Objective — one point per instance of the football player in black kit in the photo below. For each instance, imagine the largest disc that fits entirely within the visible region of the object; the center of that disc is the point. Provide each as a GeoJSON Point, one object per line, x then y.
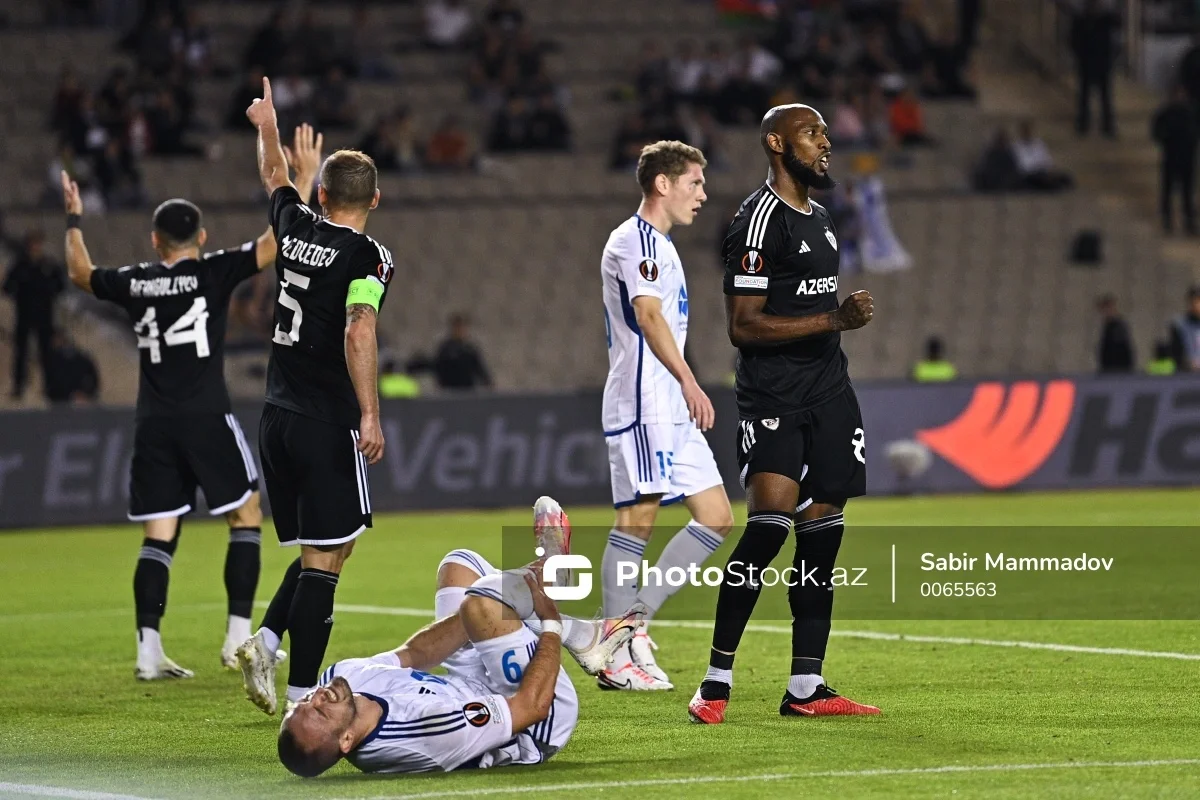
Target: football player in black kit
{"type": "Point", "coordinates": [185, 436]}
{"type": "Point", "coordinates": [800, 440]}
{"type": "Point", "coordinates": [320, 427]}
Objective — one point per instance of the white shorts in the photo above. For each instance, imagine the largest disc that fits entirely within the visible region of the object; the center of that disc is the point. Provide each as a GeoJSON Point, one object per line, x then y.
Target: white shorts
{"type": "Point", "coordinates": [467, 665]}
{"type": "Point", "coordinates": [673, 460]}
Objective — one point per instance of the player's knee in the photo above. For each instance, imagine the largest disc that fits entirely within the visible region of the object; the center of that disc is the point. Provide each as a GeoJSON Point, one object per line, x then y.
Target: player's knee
{"type": "Point", "coordinates": [451, 574]}
{"type": "Point", "coordinates": [638, 519]}
{"type": "Point", "coordinates": [247, 515]}
{"type": "Point", "coordinates": [328, 558]}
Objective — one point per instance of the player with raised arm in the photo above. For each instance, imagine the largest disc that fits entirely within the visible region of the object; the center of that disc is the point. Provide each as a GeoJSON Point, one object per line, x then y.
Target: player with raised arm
{"type": "Point", "coordinates": [320, 427]}
{"type": "Point", "coordinates": [185, 436]}
{"type": "Point", "coordinates": [654, 410]}
{"type": "Point", "coordinates": [504, 700]}
{"type": "Point", "coordinates": [800, 442]}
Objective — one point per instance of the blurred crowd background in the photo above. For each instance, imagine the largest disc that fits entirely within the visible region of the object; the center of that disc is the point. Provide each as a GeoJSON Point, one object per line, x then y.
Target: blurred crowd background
{"type": "Point", "coordinates": [1018, 196]}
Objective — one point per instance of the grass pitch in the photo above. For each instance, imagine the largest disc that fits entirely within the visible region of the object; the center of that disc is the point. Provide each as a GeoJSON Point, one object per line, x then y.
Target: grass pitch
{"type": "Point", "coordinates": [965, 719]}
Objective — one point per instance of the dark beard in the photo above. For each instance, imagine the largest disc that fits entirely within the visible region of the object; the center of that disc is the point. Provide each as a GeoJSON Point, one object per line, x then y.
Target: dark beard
{"type": "Point", "coordinates": [803, 173]}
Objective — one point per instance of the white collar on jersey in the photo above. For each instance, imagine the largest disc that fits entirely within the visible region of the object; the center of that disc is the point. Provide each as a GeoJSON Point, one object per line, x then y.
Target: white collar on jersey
{"type": "Point", "coordinates": [336, 224]}
{"type": "Point", "coordinates": [811, 202]}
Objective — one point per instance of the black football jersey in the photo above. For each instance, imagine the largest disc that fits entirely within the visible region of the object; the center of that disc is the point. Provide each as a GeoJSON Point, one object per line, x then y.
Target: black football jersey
{"type": "Point", "coordinates": [179, 312]}
{"type": "Point", "coordinates": [791, 258]}
{"type": "Point", "coordinates": [317, 261]}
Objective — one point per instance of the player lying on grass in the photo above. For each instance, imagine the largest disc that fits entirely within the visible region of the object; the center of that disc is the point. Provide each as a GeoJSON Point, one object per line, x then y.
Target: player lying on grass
{"type": "Point", "coordinates": [505, 700]}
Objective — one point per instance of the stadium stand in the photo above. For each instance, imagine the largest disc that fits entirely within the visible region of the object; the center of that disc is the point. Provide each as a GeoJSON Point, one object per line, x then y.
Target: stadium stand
{"type": "Point", "coordinates": [518, 241]}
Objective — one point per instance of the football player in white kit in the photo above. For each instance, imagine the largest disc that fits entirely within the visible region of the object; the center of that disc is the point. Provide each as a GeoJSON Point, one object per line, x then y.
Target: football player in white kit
{"type": "Point", "coordinates": [654, 410]}
{"type": "Point", "coordinates": [505, 700]}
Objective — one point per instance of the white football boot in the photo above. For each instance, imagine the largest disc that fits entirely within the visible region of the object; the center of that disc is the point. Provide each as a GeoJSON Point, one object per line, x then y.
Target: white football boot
{"type": "Point", "coordinates": [258, 673]}
{"type": "Point", "coordinates": [626, 676]}
{"type": "Point", "coordinates": [229, 658]}
{"type": "Point", "coordinates": [612, 636]}
{"type": "Point", "coordinates": [161, 668]}
{"type": "Point", "coordinates": [642, 651]}
{"type": "Point", "coordinates": [551, 528]}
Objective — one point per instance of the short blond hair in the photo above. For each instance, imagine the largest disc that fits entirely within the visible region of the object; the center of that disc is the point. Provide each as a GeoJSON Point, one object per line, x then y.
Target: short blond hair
{"type": "Point", "coordinates": [666, 158]}
{"type": "Point", "coordinates": [350, 179]}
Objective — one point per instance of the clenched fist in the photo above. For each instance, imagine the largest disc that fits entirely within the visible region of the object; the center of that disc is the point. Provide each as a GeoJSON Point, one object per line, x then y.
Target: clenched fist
{"type": "Point", "coordinates": [856, 311]}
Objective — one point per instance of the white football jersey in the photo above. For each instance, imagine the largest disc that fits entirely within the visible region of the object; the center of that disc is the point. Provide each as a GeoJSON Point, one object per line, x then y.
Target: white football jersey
{"type": "Point", "coordinates": [638, 260]}
{"type": "Point", "coordinates": [430, 722]}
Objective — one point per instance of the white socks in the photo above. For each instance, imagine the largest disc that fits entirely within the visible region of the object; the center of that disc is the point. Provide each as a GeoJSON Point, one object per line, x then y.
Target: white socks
{"type": "Point", "coordinates": [623, 549]}
{"type": "Point", "coordinates": [238, 629]}
{"type": "Point", "coordinates": [722, 676]}
{"type": "Point", "coordinates": [692, 545]}
{"type": "Point", "coordinates": [803, 686]}
{"type": "Point", "coordinates": [150, 648]}
{"type": "Point", "coordinates": [270, 639]}
{"type": "Point", "coordinates": [578, 634]}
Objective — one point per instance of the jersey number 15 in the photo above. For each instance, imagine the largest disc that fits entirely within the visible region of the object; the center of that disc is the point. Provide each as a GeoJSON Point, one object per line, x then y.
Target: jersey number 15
{"type": "Point", "coordinates": [191, 328]}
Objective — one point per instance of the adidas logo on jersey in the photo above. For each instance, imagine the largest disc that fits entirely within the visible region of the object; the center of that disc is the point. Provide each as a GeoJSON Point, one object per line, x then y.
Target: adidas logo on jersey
{"type": "Point", "coordinates": [804, 248]}
{"type": "Point", "coordinates": [818, 285]}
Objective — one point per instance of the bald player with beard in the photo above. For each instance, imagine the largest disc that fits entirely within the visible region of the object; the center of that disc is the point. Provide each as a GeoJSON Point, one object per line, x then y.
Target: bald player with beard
{"type": "Point", "coordinates": [800, 441]}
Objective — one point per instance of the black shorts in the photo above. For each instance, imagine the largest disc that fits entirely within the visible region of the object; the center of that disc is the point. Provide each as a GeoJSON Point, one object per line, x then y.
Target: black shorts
{"type": "Point", "coordinates": [823, 449]}
{"type": "Point", "coordinates": [174, 455]}
{"type": "Point", "coordinates": [316, 478]}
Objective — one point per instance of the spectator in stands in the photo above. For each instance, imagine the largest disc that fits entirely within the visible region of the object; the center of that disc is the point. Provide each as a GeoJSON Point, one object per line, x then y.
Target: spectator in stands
{"type": "Point", "coordinates": [511, 126]}
{"type": "Point", "coordinates": [333, 101]}
{"type": "Point", "coordinates": [392, 143]}
{"type": "Point", "coordinates": [505, 16]}
{"type": "Point", "coordinates": [1162, 363]}
{"type": "Point", "coordinates": [910, 40]}
{"type": "Point", "coordinates": [875, 63]}
{"type": "Point", "coordinates": [1115, 350]}
{"type": "Point", "coordinates": [154, 49]}
{"type": "Point", "coordinates": [293, 95]}
{"type": "Point", "coordinates": [269, 46]}
{"type": "Point", "coordinates": [167, 127]}
{"type": "Point", "coordinates": [548, 126]}
{"type": "Point", "coordinates": [1035, 163]}
{"type": "Point", "coordinates": [449, 149]}
{"type": "Point", "coordinates": [71, 375]}
{"type": "Point", "coordinates": [1185, 335]}
{"type": "Point", "coordinates": [934, 368]}
{"type": "Point", "coordinates": [367, 47]}
{"type": "Point", "coordinates": [1093, 41]}
{"type": "Point", "coordinates": [1189, 70]}
{"type": "Point", "coordinates": [457, 365]}
{"type": "Point", "coordinates": [310, 48]}
{"type": "Point", "coordinates": [997, 170]}
{"type": "Point", "coordinates": [653, 70]}
{"type": "Point", "coordinates": [396, 385]}
{"type": "Point", "coordinates": [686, 70]}
{"type": "Point", "coordinates": [943, 74]}
{"type": "Point", "coordinates": [906, 121]}
{"type": "Point", "coordinates": [448, 24]}
{"type": "Point", "coordinates": [492, 70]}
{"type": "Point", "coordinates": [67, 111]}
{"type": "Point", "coordinates": [1175, 129]}
{"type": "Point", "coordinates": [816, 71]}
{"type": "Point", "coordinates": [117, 176]}
{"type": "Point", "coordinates": [33, 283]}
{"type": "Point", "coordinates": [631, 138]}
{"type": "Point", "coordinates": [116, 101]}
{"type": "Point", "coordinates": [760, 66]}
{"type": "Point", "coordinates": [846, 123]}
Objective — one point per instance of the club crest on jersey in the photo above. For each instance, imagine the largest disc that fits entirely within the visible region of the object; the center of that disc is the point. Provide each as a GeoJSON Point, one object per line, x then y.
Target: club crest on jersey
{"type": "Point", "coordinates": [832, 239]}
{"type": "Point", "coordinates": [752, 262]}
{"type": "Point", "coordinates": [477, 714]}
{"type": "Point", "coordinates": [649, 270]}
{"type": "Point", "coordinates": [385, 271]}
{"type": "Point", "coordinates": [771, 424]}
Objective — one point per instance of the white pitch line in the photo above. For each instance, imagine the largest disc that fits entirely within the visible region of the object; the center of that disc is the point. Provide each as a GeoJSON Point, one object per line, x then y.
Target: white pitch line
{"type": "Point", "coordinates": [37, 790]}
{"type": "Point", "coordinates": [848, 634]}
{"type": "Point", "coordinates": [783, 776]}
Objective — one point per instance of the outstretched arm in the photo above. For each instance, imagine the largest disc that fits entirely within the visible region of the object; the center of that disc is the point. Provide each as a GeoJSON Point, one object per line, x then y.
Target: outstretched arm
{"type": "Point", "coordinates": [79, 263]}
{"type": "Point", "coordinates": [304, 156]}
{"type": "Point", "coordinates": [749, 326]}
{"type": "Point", "coordinates": [272, 163]}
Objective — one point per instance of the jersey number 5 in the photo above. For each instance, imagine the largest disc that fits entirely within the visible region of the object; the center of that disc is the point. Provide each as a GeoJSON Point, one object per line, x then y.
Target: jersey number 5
{"type": "Point", "coordinates": [191, 328]}
{"type": "Point", "coordinates": [294, 281]}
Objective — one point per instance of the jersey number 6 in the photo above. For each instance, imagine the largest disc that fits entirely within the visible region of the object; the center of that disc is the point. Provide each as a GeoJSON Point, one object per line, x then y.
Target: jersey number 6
{"type": "Point", "coordinates": [294, 281]}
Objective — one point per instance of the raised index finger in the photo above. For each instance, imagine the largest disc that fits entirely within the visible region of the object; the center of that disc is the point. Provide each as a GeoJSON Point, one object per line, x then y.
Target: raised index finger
{"type": "Point", "coordinates": [266, 88]}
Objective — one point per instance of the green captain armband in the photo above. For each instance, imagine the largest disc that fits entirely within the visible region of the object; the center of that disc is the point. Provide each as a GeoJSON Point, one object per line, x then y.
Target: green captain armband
{"type": "Point", "coordinates": [365, 291]}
